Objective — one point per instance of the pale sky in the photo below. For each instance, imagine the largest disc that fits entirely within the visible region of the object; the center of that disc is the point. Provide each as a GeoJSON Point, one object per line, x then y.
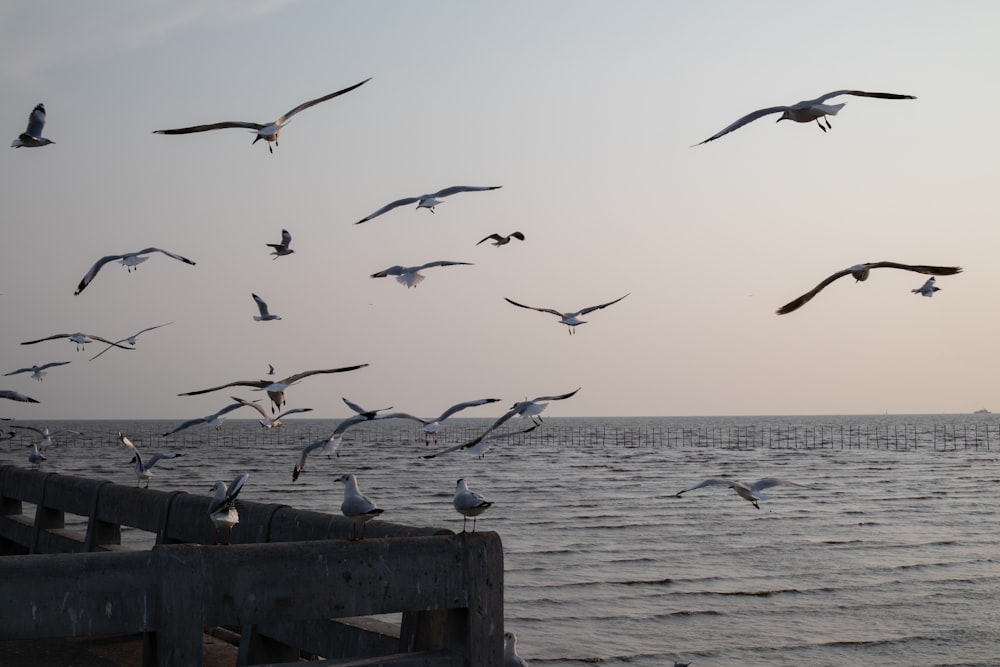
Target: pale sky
{"type": "Point", "coordinates": [585, 112]}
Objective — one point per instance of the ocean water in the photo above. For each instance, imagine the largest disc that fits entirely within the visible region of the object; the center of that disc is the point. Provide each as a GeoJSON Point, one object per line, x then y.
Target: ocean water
{"type": "Point", "coordinates": [888, 555]}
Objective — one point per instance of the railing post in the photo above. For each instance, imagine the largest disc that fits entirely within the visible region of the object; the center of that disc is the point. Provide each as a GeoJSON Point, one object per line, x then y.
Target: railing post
{"type": "Point", "coordinates": [178, 643]}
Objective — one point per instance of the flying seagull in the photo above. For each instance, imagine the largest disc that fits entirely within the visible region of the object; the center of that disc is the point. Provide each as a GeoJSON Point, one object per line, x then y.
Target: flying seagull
{"type": "Point", "coordinates": [222, 510]}
{"type": "Point", "coordinates": [265, 421]}
{"type": "Point", "coordinates": [80, 339]}
{"type": "Point", "coordinates": [860, 272]}
{"type": "Point", "coordinates": [38, 372]}
{"type": "Point", "coordinates": [144, 470]}
{"type": "Point", "coordinates": [367, 414]}
{"type": "Point", "coordinates": [435, 424]}
{"type": "Point", "coordinates": [747, 491]}
{"type": "Point", "coordinates": [129, 260]}
{"type": "Point", "coordinates": [281, 249]}
{"type": "Point", "coordinates": [469, 503]}
{"type": "Point", "coordinates": [503, 240]}
{"type": "Point", "coordinates": [428, 201]}
{"type": "Point", "coordinates": [571, 320]}
{"type": "Point", "coordinates": [357, 507]}
{"type": "Point", "coordinates": [805, 111]}
{"type": "Point", "coordinates": [330, 444]}
{"type": "Point", "coordinates": [276, 390]}
{"type": "Point", "coordinates": [410, 275]}
{"type": "Point", "coordinates": [265, 314]}
{"type": "Point", "coordinates": [483, 445]}
{"type": "Point", "coordinates": [927, 289]}
{"type": "Point", "coordinates": [16, 396]}
{"type": "Point", "coordinates": [47, 435]}
{"type": "Point", "coordinates": [215, 419]}
{"type": "Point", "coordinates": [130, 340]}
{"type": "Point", "coordinates": [32, 136]}
{"type": "Point", "coordinates": [527, 409]}
{"type": "Point", "coordinates": [267, 131]}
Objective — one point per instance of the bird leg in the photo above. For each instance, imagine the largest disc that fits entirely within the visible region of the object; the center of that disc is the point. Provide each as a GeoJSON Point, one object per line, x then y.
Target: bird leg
{"type": "Point", "coordinates": [755, 504]}
{"type": "Point", "coordinates": [464, 520]}
{"type": "Point", "coordinates": [820, 125]}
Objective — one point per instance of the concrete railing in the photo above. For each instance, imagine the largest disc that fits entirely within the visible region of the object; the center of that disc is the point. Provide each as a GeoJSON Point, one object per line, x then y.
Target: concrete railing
{"type": "Point", "coordinates": [285, 582]}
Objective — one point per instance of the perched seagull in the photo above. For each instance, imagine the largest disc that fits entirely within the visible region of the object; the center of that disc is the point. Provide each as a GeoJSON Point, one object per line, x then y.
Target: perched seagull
{"type": "Point", "coordinates": [527, 409]}
{"type": "Point", "coordinates": [357, 507]}
{"type": "Point", "coordinates": [80, 339]}
{"type": "Point", "coordinates": [503, 240]}
{"type": "Point", "coordinates": [129, 260]}
{"type": "Point", "coordinates": [35, 457]}
{"type": "Point", "coordinates": [32, 136]}
{"type": "Point", "coordinates": [860, 272]}
{"type": "Point", "coordinates": [276, 390]}
{"type": "Point", "coordinates": [16, 396]}
{"type": "Point", "coordinates": [330, 444]}
{"type": "Point", "coordinates": [265, 314]}
{"type": "Point", "coordinates": [367, 414]}
{"type": "Point", "coordinates": [269, 422]}
{"type": "Point", "coordinates": [805, 111]}
{"type": "Point", "coordinates": [9, 435]}
{"type": "Point", "coordinates": [410, 275]}
{"type": "Point", "coordinates": [927, 289]}
{"type": "Point", "coordinates": [434, 425]}
{"type": "Point", "coordinates": [428, 201]}
{"type": "Point", "coordinates": [38, 372]}
{"type": "Point", "coordinates": [751, 492]}
{"type": "Point", "coordinates": [469, 503]}
{"type": "Point", "coordinates": [483, 446]}
{"type": "Point", "coordinates": [130, 340]}
{"type": "Point", "coordinates": [222, 510]}
{"type": "Point", "coordinates": [267, 131]}
{"type": "Point", "coordinates": [510, 656]}
{"type": "Point", "coordinates": [144, 471]}
{"type": "Point", "coordinates": [571, 320]}
{"type": "Point", "coordinates": [46, 434]}
{"type": "Point", "coordinates": [281, 249]}
{"type": "Point", "coordinates": [215, 419]}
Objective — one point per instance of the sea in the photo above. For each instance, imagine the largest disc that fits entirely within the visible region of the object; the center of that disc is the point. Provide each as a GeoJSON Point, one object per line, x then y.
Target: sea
{"type": "Point", "coordinates": [886, 554]}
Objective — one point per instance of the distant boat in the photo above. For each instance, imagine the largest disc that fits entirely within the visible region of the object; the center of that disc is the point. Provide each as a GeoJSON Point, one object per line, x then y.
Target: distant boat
{"type": "Point", "coordinates": [982, 411]}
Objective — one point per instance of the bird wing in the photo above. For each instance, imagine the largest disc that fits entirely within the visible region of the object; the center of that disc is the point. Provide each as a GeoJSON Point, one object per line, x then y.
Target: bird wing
{"type": "Point", "coordinates": [465, 445]}
{"type": "Point", "coordinates": [304, 374]}
{"type": "Point", "coordinates": [232, 491]}
{"type": "Point", "coordinates": [52, 337]}
{"type": "Point", "coordinates": [354, 406]}
{"type": "Point", "coordinates": [259, 384]}
{"type": "Point", "coordinates": [29, 428]}
{"type": "Point", "coordinates": [861, 93]}
{"type": "Point", "coordinates": [286, 238]}
{"type": "Point", "coordinates": [135, 335]}
{"type": "Point", "coordinates": [768, 482]}
{"type": "Point", "coordinates": [749, 118]}
{"type": "Point", "coordinates": [147, 251]}
{"type": "Point", "coordinates": [431, 265]}
{"type": "Point", "coordinates": [603, 305]}
{"type": "Point", "coordinates": [16, 396]}
{"type": "Point", "coordinates": [92, 273]}
{"type": "Point", "coordinates": [707, 482]}
{"type": "Point", "coordinates": [36, 121]}
{"type": "Point", "coordinates": [541, 310]}
{"type": "Point", "coordinates": [920, 268]}
{"type": "Point", "coordinates": [212, 126]}
{"type": "Point", "coordinates": [391, 271]}
{"type": "Point", "coordinates": [306, 105]}
{"type": "Point", "coordinates": [19, 370]}
{"type": "Point", "coordinates": [795, 304]}
{"type": "Point", "coordinates": [53, 363]}
{"type": "Point", "coordinates": [461, 406]}
{"type": "Point", "coordinates": [189, 423]}
{"type": "Point", "coordinates": [389, 207]}
{"type": "Point", "coordinates": [455, 189]}
{"type": "Point", "coordinates": [261, 305]}
{"type": "Point", "coordinates": [251, 404]}
{"type": "Point", "coordinates": [159, 457]}
{"type": "Point", "coordinates": [555, 398]}
{"type": "Point", "coordinates": [495, 237]}
{"type": "Point", "coordinates": [289, 412]}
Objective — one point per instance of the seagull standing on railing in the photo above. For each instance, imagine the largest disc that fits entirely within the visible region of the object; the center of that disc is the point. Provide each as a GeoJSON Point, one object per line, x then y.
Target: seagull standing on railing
{"type": "Point", "coordinates": [144, 470]}
{"type": "Point", "coordinates": [469, 503]}
{"type": "Point", "coordinates": [357, 507]}
{"type": "Point", "coordinates": [222, 509]}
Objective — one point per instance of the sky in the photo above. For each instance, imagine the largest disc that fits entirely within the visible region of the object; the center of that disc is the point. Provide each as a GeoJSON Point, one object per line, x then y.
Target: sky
{"type": "Point", "coordinates": [585, 113]}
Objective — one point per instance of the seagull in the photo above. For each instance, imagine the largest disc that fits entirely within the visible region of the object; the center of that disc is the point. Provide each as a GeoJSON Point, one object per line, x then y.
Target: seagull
{"type": "Point", "coordinates": [428, 201]}
{"type": "Point", "coordinates": [805, 111]}
{"type": "Point", "coordinates": [751, 492]}
{"type": "Point", "coordinates": [130, 340]}
{"type": "Point", "coordinates": [265, 315]}
{"type": "Point", "coordinates": [80, 339]}
{"type": "Point", "coordinates": [269, 422]}
{"type": "Point", "coordinates": [927, 289]}
{"type": "Point", "coordinates": [433, 426]}
{"type": "Point", "coordinates": [330, 444]}
{"type": "Point", "coordinates": [410, 275]}
{"type": "Point", "coordinates": [38, 372]}
{"type": "Point", "coordinates": [35, 457]}
{"type": "Point", "coordinates": [503, 240]}
{"type": "Point", "coordinates": [267, 131]}
{"type": "Point", "coordinates": [222, 509]}
{"type": "Point", "coordinates": [32, 136]}
{"type": "Point", "coordinates": [144, 471]}
{"type": "Point", "coordinates": [281, 249]}
{"type": "Point", "coordinates": [483, 446]}
{"type": "Point", "coordinates": [276, 390]}
{"type": "Point", "coordinates": [9, 435]}
{"type": "Point", "coordinates": [16, 396]}
{"type": "Point", "coordinates": [270, 369]}
{"type": "Point", "coordinates": [367, 414]}
{"type": "Point", "coordinates": [215, 419]}
{"type": "Point", "coordinates": [860, 272]}
{"type": "Point", "coordinates": [46, 434]}
{"type": "Point", "coordinates": [469, 503]}
{"type": "Point", "coordinates": [571, 320]}
{"type": "Point", "coordinates": [129, 260]}
{"type": "Point", "coordinates": [357, 507]}
{"type": "Point", "coordinates": [527, 409]}
{"type": "Point", "coordinates": [510, 656]}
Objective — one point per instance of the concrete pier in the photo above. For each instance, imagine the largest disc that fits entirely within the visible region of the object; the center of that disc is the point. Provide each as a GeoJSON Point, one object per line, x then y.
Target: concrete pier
{"type": "Point", "coordinates": [291, 583]}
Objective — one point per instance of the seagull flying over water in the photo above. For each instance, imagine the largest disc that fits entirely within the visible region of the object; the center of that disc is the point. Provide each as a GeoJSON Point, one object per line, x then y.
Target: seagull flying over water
{"type": "Point", "coordinates": [144, 470]}
{"type": "Point", "coordinates": [747, 491]}
{"type": "Point", "coordinates": [265, 314]}
{"type": "Point", "coordinates": [38, 372]}
{"type": "Point", "coordinates": [276, 390]}
{"type": "Point", "coordinates": [367, 414]}
{"type": "Point", "coordinates": [215, 419]}
{"type": "Point", "coordinates": [269, 422]}
{"type": "Point", "coordinates": [357, 507]}
{"type": "Point", "coordinates": [483, 445]}
{"type": "Point", "coordinates": [267, 131]}
{"type": "Point", "coordinates": [860, 272]}
{"type": "Point", "coordinates": [130, 340]}
{"type": "Point", "coordinates": [32, 136]}
{"type": "Point", "coordinates": [434, 425]}
{"type": "Point", "coordinates": [469, 503]}
{"type": "Point", "coordinates": [80, 339]}
{"type": "Point", "coordinates": [330, 444]}
{"type": "Point", "coordinates": [503, 240]}
{"type": "Point", "coordinates": [281, 249]}
{"type": "Point", "coordinates": [428, 201]}
{"type": "Point", "coordinates": [129, 260]}
{"type": "Point", "coordinates": [16, 396]}
{"type": "Point", "coordinates": [927, 289]}
{"type": "Point", "coordinates": [527, 409]}
{"type": "Point", "coordinates": [46, 434]}
{"type": "Point", "coordinates": [805, 111]}
{"type": "Point", "coordinates": [571, 320]}
{"type": "Point", "coordinates": [410, 275]}
{"type": "Point", "coordinates": [222, 510]}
